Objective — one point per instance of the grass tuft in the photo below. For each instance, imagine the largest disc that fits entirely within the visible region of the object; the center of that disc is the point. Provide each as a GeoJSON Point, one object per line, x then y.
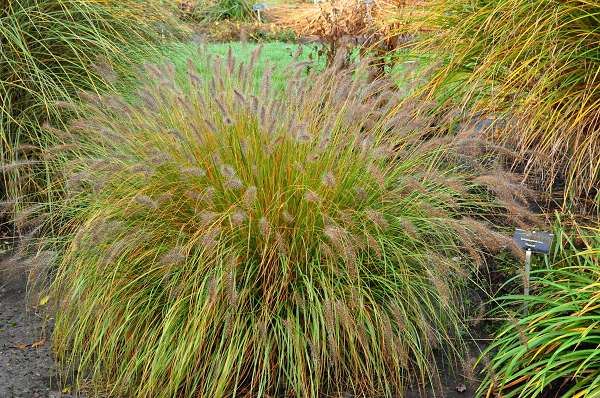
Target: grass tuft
{"type": "Point", "coordinates": [255, 241]}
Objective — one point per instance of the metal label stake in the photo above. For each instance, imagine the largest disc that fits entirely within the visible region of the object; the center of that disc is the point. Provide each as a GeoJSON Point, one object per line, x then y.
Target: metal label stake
{"type": "Point", "coordinates": [258, 8]}
{"type": "Point", "coordinates": [368, 5]}
{"type": "Point", "coordinates": [526, 279]}
{"type": "Point", "coordinates": [531, 242]}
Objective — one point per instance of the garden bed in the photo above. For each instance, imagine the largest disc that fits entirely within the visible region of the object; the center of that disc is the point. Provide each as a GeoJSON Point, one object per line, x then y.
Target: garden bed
{"type": "Point", "coordinates": [26, 364]}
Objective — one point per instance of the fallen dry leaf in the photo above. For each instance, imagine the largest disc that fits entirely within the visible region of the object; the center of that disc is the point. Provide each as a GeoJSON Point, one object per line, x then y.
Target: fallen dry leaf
{"type": "Point", "coordinates": [44, 300]}
{"type": "Point", "coordinates": [38, 343]}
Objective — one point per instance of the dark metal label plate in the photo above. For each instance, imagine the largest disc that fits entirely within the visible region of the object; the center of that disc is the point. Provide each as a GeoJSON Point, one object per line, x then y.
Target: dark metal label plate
{"type": "Point", "coordinates": [536, 241]}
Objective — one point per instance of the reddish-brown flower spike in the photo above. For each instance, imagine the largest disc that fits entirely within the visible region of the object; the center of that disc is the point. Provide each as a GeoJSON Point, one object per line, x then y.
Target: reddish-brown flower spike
{"type": "Point", "coordinates": [328, 179]}
{"type": "Point", "coordinates": [250, 196]}
{"type": "Point", "coordinates": [146, 201]}
{"type": "Point", "coordinates": [174, 256]}
{"type": "Point", "coordinates": [312, 197]}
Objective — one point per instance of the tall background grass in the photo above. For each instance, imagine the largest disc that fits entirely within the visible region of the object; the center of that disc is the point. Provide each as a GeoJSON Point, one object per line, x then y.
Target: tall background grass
{"type": "Point", "coordinates": [218, 10]}
{"type": "Point", "coordinates": [51, 50]}
{"type": "Point", "coordinates": [532, 65]}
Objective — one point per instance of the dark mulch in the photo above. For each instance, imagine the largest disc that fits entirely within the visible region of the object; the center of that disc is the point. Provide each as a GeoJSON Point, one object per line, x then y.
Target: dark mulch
{"type": "Point", "coordinates": [26, 365]}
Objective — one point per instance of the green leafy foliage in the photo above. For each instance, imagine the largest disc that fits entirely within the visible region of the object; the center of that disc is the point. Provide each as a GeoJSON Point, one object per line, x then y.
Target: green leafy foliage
{"type": "Point", "coordinates": [242, 240]}
{"type": "Point", "coordinates": [555, 350]}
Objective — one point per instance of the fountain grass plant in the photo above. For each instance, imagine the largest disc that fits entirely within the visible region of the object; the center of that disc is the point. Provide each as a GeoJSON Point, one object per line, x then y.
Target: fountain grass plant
{"type": "Point", "coordinates": [555, 350]}
{"type": "Point", "coordinates": [226, 240]}
{"type": "Point", "coordinates": [50, 50]}
{"type": "Point", "coordinates": [535, 63]}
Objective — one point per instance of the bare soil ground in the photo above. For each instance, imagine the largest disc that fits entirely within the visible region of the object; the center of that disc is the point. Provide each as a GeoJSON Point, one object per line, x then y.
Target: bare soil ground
{"type": "Point", "coordinates": [26, 365]}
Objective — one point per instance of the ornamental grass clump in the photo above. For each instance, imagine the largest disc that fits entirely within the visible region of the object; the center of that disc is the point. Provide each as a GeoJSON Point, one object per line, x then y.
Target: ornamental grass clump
{"type": "Point", "coordinates": [536, 64]}
{"type": "Point", "coordinates": [555, 350]}
{"type": "Point", "coordinates": [221, 239]}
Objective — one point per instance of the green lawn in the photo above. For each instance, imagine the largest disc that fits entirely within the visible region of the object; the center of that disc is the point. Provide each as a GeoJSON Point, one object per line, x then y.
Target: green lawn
{"type": "Point", "coordinates": [277, 55]}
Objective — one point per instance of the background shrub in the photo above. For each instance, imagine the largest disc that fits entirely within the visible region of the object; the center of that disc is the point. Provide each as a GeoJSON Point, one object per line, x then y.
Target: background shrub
{"type": "Point", "coordinates": [218, 10]}
{"type": "Point", "coordinates": [243, 240]}
{"type": "Point", "coordinates": [535, 64]}
{"type": "Point", "coordinates": [554, 351]}
{"type": "Point", "coordinates": [47, 52]}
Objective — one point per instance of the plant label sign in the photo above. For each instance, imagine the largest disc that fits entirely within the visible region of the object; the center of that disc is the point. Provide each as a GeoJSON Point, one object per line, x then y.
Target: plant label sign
{"type": "Point", "coordinates": [534, 241]}
{"type": "Point", "coordinates": [258, 8]}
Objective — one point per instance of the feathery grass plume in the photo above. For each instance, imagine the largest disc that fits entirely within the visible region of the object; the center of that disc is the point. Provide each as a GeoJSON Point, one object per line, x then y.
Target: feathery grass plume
{"type": "Point", "coordinates": [485, 236]}
{"type": "Point", "coordinates": [409, 228]}
{"type": "Point", "coordinates": [361, 193]}
{"type": "Point", "coordinates": [238, 217]}
{"type": "Point", "coordinates": [29, 218]}
{"type": "Point", "coordinates": [249, 197]}
{"type": "Point", "coordinates": [328, 179]}
{"type": "Point", "coordinates": [103, 231]}
{"type": "Point", "coordinates": [327, 265]}
{"type": "Point", "coordinates": [376, 218]}
{"type": "Point", "coordinates": [555, 347]}
{"type": "Point", "coordinates": [145, 200]}
{"type": "Point", "coordinates": [533, 63]}
{"type": "Point", "coordinates": [194, 171]}
{"type": "Point", "coordinates": [234, 184]}
{"type": "Point", "coordinates": [57, 150]}
{"type": "Point", "coordinates": [17, 165]}
{"type": "Point", "coordinates": [209, 238]}
{"type": "Point", "coordinates": [173, 256]}
{"type": "Point", "coordinates": [265, 227]}
{"type": "Point", "coordinates": [287, 217]}
{"type": "Point", "coordinates": [208, 217]}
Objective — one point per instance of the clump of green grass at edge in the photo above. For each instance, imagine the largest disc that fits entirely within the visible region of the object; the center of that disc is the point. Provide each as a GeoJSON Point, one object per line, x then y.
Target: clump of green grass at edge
{"type": "Point", "coordinates": [535, 62]}
{"type": "Point", "coordinates": [556, 348]}
{"type": "Point", "coordinates": [222, 239]}
{"type": "Point", "coordinates": [48, 49]}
